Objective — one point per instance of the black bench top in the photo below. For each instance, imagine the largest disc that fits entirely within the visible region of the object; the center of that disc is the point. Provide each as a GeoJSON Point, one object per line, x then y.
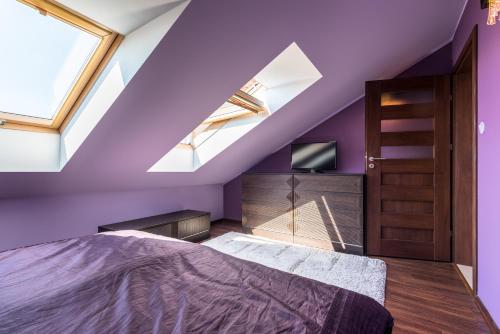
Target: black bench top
{"type": "Point", "coordinates": [147, 222]}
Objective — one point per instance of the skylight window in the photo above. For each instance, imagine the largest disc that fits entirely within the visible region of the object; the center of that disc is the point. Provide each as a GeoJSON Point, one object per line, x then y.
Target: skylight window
{"type": "Point", "coordinates": [248, 99]}
{"type": "Point", "coordinates": [244, 103]}
{"type": "Point", "coordinates": [279, 82]}
{"type": "Point", "coordinates": [49, 60]}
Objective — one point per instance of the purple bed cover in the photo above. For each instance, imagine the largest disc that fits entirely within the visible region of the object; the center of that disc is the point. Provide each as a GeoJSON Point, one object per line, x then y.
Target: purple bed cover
{"type": "Point", "coordinates": [125, 284]}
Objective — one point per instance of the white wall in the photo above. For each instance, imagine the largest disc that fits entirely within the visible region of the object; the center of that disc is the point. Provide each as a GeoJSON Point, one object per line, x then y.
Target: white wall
{"type": "Point", "coordinates": [180, 157]}
{"type": "Point", "coordinates": [223, 138]}
{"type": "Point", "coordinates": [128, 59]}
{"type": "Point", "coordinates": [23, 151]}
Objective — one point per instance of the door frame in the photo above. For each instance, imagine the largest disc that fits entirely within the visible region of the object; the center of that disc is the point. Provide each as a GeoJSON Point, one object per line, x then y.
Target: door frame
{"type": "Point", "coordinates": [470, 46]}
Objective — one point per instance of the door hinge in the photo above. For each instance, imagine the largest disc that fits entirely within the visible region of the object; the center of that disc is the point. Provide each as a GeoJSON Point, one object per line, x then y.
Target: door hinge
{"type": "Point", "coordinates": [451, 147]}
{"type": "Point", "coordinates": [451, 97]}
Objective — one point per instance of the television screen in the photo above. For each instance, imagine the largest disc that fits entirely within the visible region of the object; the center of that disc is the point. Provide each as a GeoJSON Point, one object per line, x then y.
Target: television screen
{"type": "Point", "coordinates": [315, 156]}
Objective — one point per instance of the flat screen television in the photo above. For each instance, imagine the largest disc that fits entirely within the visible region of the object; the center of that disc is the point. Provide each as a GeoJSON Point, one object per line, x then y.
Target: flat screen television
{"type": "Point", "coordinates": [314, 156]}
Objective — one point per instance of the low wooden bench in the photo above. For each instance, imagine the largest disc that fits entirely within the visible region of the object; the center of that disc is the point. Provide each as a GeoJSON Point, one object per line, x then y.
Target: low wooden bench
{"type": "Point", "coordinates": [189, 225]}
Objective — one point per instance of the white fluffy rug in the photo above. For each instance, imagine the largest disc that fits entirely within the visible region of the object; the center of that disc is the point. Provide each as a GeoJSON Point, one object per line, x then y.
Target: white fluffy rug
{"type": "Point", "coordinates": [357, 273]}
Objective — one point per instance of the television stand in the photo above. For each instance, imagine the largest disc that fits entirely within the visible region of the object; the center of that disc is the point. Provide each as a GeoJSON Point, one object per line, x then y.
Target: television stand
{"type": "Point", "coordinates": [315, 171]}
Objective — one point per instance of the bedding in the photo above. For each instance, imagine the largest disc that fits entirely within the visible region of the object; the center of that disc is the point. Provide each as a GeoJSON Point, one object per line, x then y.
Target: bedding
{"type": "Point", "coordinates": [357, 273]}
{"type": "Point", "coordinates": [134, 283]}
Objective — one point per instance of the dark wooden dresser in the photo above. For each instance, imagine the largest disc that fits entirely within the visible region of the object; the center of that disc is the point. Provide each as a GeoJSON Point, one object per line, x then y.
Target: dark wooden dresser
{"type": "Point", "coordinates": [318, 210]}
{"type": "Point", "coordinates": [187, 225]}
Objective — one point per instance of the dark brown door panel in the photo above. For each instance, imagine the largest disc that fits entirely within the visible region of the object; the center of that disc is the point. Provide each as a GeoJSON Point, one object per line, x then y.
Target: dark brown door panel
{"type": "Point", "coordinates": [408, 200]}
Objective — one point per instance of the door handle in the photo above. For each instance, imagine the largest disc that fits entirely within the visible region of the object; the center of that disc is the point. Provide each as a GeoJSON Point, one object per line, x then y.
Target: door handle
{"type": "Point", "coordinates": [373, 159]}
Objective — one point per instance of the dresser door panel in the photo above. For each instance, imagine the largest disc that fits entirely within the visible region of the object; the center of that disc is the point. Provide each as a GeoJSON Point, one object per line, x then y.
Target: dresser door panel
{"type": "Point", "coordinates": [333, 217]}
{"type": "Point", "coordinates": [286, 237]}
{"type": "Point", "coordinates": [193, 228]}
{"type": "Point", "coordinates": [268, 209]}
{"type": "Point", "coordinates": [167, 230]}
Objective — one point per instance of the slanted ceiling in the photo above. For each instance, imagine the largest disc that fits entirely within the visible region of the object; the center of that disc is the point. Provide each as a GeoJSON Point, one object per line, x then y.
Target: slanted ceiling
{"type": "Point", "coordinates": [122, 16]}
{"type": "Point", "coordinates": [212, 50]}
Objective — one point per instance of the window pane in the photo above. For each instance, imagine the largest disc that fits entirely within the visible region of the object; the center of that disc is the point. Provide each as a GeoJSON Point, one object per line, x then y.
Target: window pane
{"type": "Point", "coordinates": [253, 87]}
{"type": "Point", "coordinates": [410, 124]}
{"type": "Point", "coordinates": [40, 61]}
{"type": "Point", "coordinates": [224, 113]}
{"type": "Point", "coordinates": [407, 152]}
{"type": "Point", "coordinates": [407, 97]}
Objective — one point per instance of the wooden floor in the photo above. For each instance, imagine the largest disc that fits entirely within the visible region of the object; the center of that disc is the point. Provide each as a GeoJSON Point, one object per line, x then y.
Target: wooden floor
{"type": "Point", "coordinates": [422, 296]}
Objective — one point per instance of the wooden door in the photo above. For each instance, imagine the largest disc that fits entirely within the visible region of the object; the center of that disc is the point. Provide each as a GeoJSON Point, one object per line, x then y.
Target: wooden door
{"type": "Point", "coordinates": [267, 205]}
{"type": "Point", "coordinates": [408, 168]}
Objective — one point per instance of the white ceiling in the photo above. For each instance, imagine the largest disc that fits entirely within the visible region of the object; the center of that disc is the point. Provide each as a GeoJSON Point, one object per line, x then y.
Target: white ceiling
{"type": "Point", "coordinates": [122, 16]}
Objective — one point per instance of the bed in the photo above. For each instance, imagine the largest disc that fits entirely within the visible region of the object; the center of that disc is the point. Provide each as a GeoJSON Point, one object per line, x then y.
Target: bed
{"type": "Point", "coordinates": [133, 282]}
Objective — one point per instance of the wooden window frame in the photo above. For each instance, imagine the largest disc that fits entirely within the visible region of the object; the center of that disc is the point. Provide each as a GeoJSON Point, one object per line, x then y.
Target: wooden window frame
{"type": "Point", "coordinates": [110, 41]}
{"type": "Point", "coordinates": [251, 106]}
{"type": "Point", "coordinates": [248, 103]}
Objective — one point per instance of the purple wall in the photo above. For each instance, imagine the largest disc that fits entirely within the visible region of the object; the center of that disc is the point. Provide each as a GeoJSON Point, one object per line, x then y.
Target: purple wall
{"type": "Point", "coordinates": [27, 221]}
{"type": "Point", "coordinates": [488, 150]}
{"type": "Point", "coordinates": [346, 127]}
{"type": "Point", "coordinates": [350, 140]}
